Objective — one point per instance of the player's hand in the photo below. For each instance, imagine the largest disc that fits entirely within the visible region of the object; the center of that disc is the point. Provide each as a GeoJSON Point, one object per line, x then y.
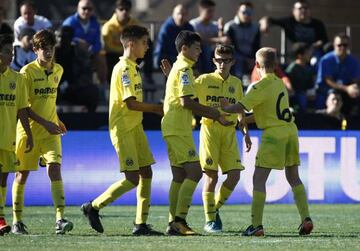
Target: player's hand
{"type": "Point", "coordinates": [62, 127]}
{"type": "Point", "coordinates": [222, 120]}
{"type": "Point", "coordinates": [159, 110]}
{"type": "Point", "coordinates": [52, 128]}
{"type": "Point", "coordinates": [227, 107]}
{"type": "Point", "coordinates": [165, 67]}
{"type": "Point", "coordinates": [248, 142]}
{"type": "Point", "coordinates": [29, 144]}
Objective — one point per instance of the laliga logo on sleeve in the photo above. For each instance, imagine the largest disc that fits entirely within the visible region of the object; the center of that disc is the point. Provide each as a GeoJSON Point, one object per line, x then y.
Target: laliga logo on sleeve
{"type": "Point", "coordinates": [184, 79]}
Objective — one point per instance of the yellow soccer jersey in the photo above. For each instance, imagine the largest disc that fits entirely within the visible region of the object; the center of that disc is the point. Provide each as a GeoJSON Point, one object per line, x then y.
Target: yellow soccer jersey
{"type": "Point", "coordinates": [211, 87]}
{"type": "Point", "coordinates": [13, 97]}
{"type": "Point", "coordinates": [177, 120]}
{"type": "Point", "coordinates": [268, 98]}
{"type": "Point", "coordinates": [125, 83]}
{"type": "Point", "coordinates": [42, 88]}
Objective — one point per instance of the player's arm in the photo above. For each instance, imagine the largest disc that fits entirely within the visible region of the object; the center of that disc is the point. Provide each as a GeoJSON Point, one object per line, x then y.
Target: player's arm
{"type": "Point", "coordinates": [134, 105]}
{"type": "Point", "coordinates": [204, 111]}
{"type": "Point", "coordinates": [51, 127]}
{"type": "Point", "coordinates": [24, 120]}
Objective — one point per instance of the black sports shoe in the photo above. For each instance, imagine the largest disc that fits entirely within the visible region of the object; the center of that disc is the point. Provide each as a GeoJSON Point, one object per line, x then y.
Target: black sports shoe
{"type": "Point", "coordinates": [218, 219]}
{"type": "Point", "coordinates": [144, 229]}
{"type": "Point", "coordinates": [19, 228]}
{"type": "Point", "coordinates": [170, 230]}
{"type": "Point", "coordinates": [62, 226]}
{"type": "Point", "coordinates": [254, 231]}
{"type": "Point", "coordinates": [306, 226]}
{"type": "Point", "coordinates": [93, 216]}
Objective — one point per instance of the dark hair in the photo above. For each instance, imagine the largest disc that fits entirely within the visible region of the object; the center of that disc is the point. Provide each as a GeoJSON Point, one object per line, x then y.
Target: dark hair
{"type": "Point", "coordinates": [5, 39]}
{"type": "Point", "coordinates": [44, 38]}
{"type": "Point", "coordinates": [207, 3]}
{"type": "Point", "coordinates": [342, 35]}
{"type": "Point", "coordinates": [186, 38]}
{"type": "Point", "coordinates": [224, 50]}
{"type": "Point", "coordinates": [132, 33]}
{"type": "Point", "coordinates": [123, 4]}
{"type": "Point", "coordinates": [247, 4]}
{"type": "Point", "coordinates": [299, 48]}
{"type": "Point", "coordinates": [28, 3]}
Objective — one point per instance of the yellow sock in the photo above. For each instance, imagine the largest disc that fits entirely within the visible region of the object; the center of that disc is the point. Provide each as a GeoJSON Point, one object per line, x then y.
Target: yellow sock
{"type": "Point", "coordinates": [301, 201]}
{"type": "Point", "coordinates": [257, 208]}
{"type": "Point", "coordinates": [2, 205]}
{"type": "Point", "coordinates": [112, 193]}
{"type": "Point", "coordinates": [209, 206]}
{"type": "Point", "coordinates": [186, 192]}
{"type": "Point", "coordinates": [222, 196]}
{"type": "Point", "coordinates": [143, 200]}
{"type": "Point", "coordinates": [58, 196]}
{"type": "Point", "coordinates": [3, 192]}
{"type": "Point", "coordinates": [173, 199]}
{"type": "Point", "coordinates": [18, 201]}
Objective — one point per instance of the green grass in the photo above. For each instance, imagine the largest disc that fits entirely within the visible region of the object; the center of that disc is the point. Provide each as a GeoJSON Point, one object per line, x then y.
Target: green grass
{"type": "Point", "coordinates": [337, 227]}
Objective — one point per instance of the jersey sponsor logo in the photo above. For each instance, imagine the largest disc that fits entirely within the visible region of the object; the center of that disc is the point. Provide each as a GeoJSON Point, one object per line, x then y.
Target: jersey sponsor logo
{"type": "Point", "coordinates": [209, 161]}
{"type": "Point", "coordinates": [192, 153]}
{"type": "Point", "coordinates": [7, 97]}
{"type": "Point", "coordinates": [213, 87]}
{"type": "Point", "coordinates": [184, 78]}
{"type": "Point", "coordinates": [217, 99]}
{"type": "Point", "coordinates": [125, 79]}
{"type": "Point", "coordinates": [39, 79]}
{"type": "Point", "coordinates": [12, 85]}
{"type": "Point", "coordinates": [129, 162]}
{"type": "Point", "coordinates": [47, 90]}
{"type": "Point", "coordinates": [231, 89]}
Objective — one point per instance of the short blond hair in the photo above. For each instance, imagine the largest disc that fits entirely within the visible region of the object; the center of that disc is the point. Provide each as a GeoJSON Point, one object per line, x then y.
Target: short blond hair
{"type": "Point", "coordinates": [266, 57]}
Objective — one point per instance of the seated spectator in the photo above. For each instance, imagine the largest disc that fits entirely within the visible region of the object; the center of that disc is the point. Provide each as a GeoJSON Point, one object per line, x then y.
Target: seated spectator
{"type": "Point", "coordinates": [339, 70]}
{"type": "Point", "coordinates": [301, 76]}
{"type": "Point", "coordinates": [29, 19]}
{"type": "Point", "coordinates": [165, 47]}
{"type": "Point", "coordinates": [245, 36]}
{"type": "Point", "coordinates": [111, 32]}
{"type": "Point", "coordinates": [211, 32]}
{"type": "Point", "coordinates": [300, 27]}
{"type": "Point", "coordinates": [334, 104]}
{"type": "Point", "coordinates": [23, 53]}
{"type": "Point", "coordinates": [76, 85]}
{"type": "Point", "coordinates": [4, 27]}
{"type": "Point", "coordinates": [87, 34]}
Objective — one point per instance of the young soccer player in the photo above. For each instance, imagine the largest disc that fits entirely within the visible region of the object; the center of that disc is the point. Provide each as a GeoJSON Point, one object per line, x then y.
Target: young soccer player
{"type": "Point", "coordinates": [42, 78]}
{"type": "Point", "coordinates": [176, 127]}
{"type": "Point", "coordinates": [279, 147]}
{"type": "Point", "coordinates": [218, 144]}
{"type": "Point", "coordinates": [127, 134]}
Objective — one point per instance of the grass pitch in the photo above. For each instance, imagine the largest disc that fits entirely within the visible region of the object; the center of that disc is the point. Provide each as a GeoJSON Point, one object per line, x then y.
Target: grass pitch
{"type": "Point", "coordinates": [337, 227]}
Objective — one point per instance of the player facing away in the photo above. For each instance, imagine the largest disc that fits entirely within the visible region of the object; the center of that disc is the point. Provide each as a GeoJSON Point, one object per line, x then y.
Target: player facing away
{"type": "Point", "coordinates": [176, 126]}
{"type": "Point", "coordinates": [42, 78]}
{"type": "Point", "coordinates": [127, 134]}
{"type": "Point", "coordinates": [279, 147]}
{"type": "Point", "coordinates": [218, 144]}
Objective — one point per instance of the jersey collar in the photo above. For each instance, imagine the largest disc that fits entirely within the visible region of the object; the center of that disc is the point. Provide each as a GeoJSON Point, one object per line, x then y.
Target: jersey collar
{"type": "Point", "coordinates": [129, 61]}
{"type": "Point", "coordinates": [185, 59]}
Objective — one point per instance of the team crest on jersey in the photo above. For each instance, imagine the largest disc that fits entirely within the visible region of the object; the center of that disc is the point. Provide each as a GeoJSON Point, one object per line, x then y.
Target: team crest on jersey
{"type": "Point", "coordinates": [129, 162]}
{"type": "Point", "coordinates": [12, 85]}
{"type": "Point", "coordinates": [231, 89]}
{"type": "Point", "coordinates": [184, 78]}
{"type": "Point", "coordinates": [209, 161]}
{"type": "Point", "coordinates": [125, 79]}
{"type": "Point", "coordinates": [192, 153]}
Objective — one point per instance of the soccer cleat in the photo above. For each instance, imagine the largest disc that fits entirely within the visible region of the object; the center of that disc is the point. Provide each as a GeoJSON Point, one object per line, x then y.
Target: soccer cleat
{"type": "Point", "coordinates": [254, 231]}
{"type": "Point", "coordinates": [19, 228]}
{"type": "Point", "coordinates": [212, 227]}
{"type": "Point", "coordinates": [306, 226]}
{"type": "Point", "coordinates": [144, 229]}
{"type": "Point", "coordinates": [93, 216]}
{"type": "Point", "coordinates": [170, 230]}
{"type": "Point", "coordinates": [218, 219]}
{"type": "Point", "coordinates": [62, 226]}
{"type": "Point", "coordinates": [4, 228]}
{"type": "Point", "coordinates": [181, 228]}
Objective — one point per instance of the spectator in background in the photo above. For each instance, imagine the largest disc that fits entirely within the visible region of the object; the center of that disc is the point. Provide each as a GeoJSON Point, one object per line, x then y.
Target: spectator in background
{"type": "Point", "coordinates": [245, 36]}
{"type": "Point", "coordinates": [340, 71]}
{"type": "Point", "coordinates": [211, 32]}
{"type": "Point", "coordinates": [300, 27]}
{"type": "Point", "coordinates": [87, 34]}
{"type": "Point", "coordinates": [4, 27]}
{"type": "Point", "coordinates": [334, 104]}
{"type": "Point", "coordinates": [76, 85]}
{"type": "Point", "coordinates": [165, 47]}
{"type": "Point", "coordinates": [29, 19]}
{"type": "Point", "coordinates": [111, 32]}
{"type": "Point", "coordinates": [301, 76]}
{"type": "Point", "coordinates": [23, 53]}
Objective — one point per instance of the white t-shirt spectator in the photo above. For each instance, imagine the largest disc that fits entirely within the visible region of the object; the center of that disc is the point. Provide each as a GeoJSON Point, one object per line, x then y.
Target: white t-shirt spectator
{"type": "Point", "coordinates": [39, 24]}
